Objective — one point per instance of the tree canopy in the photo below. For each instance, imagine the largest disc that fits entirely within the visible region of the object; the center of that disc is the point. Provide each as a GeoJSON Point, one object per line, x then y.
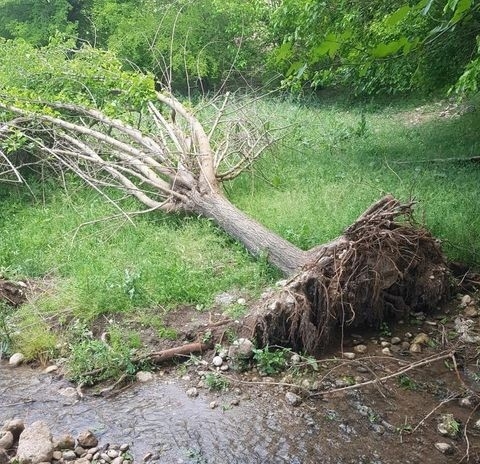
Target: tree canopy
{"type": "Point", "coordinates": [369, 47]}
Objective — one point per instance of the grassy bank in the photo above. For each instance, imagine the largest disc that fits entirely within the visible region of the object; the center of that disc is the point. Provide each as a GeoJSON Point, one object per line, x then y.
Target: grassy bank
{"type": "Point", "coordinates": [334, 161]}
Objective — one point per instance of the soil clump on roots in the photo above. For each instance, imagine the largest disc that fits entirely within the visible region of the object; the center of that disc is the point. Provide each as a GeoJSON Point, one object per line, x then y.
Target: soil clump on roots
{"type": "Point", "coordinates": [384, 266]}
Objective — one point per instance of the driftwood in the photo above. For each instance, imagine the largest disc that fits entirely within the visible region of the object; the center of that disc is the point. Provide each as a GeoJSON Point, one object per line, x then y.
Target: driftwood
{"type": "Point", "coordinates": [383, 266]}
{"type": "Point", "coordinates": [159, 357]}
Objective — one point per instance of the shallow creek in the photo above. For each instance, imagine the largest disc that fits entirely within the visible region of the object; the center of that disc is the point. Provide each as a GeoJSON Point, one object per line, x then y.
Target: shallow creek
{"type": "Point", "coordinates": [160, 418]}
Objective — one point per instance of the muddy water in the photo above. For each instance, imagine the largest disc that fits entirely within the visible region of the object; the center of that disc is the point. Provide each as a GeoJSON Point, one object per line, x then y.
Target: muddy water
{"type": "Point", "coordinates": [159, 417]}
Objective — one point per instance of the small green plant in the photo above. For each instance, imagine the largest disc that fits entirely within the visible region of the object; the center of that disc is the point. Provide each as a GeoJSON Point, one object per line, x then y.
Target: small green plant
{"type": "Point", "coordinates": [269, 361]}
{"type": "Point", "coordinates": [5, 339]}
{"type": "Point", "coordinates": [216, 382]}
{"type": "Point", "coordinates": [407, 383]}
{"type": "Point", "coordinates": [385, 330]}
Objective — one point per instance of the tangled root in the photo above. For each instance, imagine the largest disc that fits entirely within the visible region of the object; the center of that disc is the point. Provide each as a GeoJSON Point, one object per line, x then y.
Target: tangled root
{"type": "Point", "coordinates": [379, 268]}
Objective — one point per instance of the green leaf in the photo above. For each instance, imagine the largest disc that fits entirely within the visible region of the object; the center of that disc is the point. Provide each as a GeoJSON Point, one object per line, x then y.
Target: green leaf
{"type": "Point", "coordinates": [397, 16]}
{"type": "Point", "coordinates": [283, 52]}
{"type": "Point", "coordinates": [385, 49]}
{"type": "Point", "coordinates": [462, 7]}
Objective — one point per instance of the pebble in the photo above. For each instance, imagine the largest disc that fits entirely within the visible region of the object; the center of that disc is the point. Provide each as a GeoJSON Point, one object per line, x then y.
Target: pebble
{"type": "Point", "coordinates": [293, 399]}
{"type": "Point", "coordinates": [444, 448]}
{"type": "Point", "coordinates": [465, 402]}
{"type": "Point", "coordinates": [348, 355]}
{"type": "Point", "coordinates": [415, 348]}
{"type": "Point", "coordinates": [295, 359]}
{"type": "Point", "coordinates": [192, 392]}
{"type": "Point", "coordinates": [124, 447]}
{"type": "Point", "coordinates": [477, 425]}
{"type": "Point", "coordinates": [213, 405]}
{"type": "Point", "coordinates": [217, 361]}
{"type": "Point", "coordinates": [241, 301]}
{"type": "Point", "coordinates": [6, 439]}
{"type": "Point", "coordinates": [16, 359]}
{"type": "Point", "coordinates": [362, 369]}
{"type": "Point", "coordinates": [395, 340]}
{"type": "Point", "coordinates": [465, 301]}
{"type": "Point", "coordinates": [386, 351]}
{"type": "Point", "coordinates": [69, 455]}
{"type": "Point", "coordinates": [235, 402]}
{"type": "Point", "coordinates": [144, 376]}
{"type": "Point", "coordinates": [105, 457]}
{"type": "Point", "coordinates": [405, 346]}
{"type": "Point", "coordinates": [69, 392]}
{"type": "Point", "coordinates": [384, 344]}
{"type": "Point", "coordinates": [50, 369]}
{"type": "Point", "coordinates": [421, 339]}
{"type": "Point", "coordinates": [360, 349]}
{"type": "Point", "coordinates": [87, 439]}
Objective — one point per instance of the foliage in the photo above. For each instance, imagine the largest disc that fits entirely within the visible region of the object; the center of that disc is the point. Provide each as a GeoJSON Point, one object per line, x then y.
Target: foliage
{"type": "Point", "coordinates": [216, 382]}
{"type": "Point", "coordinates": [36, 21]}
{"type": "Point", "coordinates": [270, 361]}
{"type": "Point", "coordinates": [375, 46]}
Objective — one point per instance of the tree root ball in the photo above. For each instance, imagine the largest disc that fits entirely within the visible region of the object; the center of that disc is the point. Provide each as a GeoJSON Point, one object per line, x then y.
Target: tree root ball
{"type": "Point", "coordinates": [381, 267]}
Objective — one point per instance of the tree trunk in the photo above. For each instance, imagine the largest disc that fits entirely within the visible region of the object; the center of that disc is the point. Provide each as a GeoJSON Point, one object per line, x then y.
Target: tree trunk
{"type": "Point", "coordinates": [256, 238]}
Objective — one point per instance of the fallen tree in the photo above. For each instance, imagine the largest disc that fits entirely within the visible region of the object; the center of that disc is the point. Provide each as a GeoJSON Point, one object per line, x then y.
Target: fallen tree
{"type": "Point", "coordinates": [383, 265]}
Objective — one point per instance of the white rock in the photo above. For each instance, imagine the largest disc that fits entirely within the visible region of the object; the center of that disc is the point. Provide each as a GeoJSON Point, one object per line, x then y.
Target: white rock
{"type": "Point", "coordinates": [444, 448]}
{"type": "Point", "coordinates": [192, 392]}
{"type": "Point", "coordinates": [217, 361]}
{"type": "Point", "coordinates": [241, 301]}
{"type": "Point", "coordinates": [69, 392]}
{"type": "Point", "coordinates": [6, 439]}
{"type": "Point", "coordinates": [421, 339]}
{"type": "Point", "coordinates": [396, 340]}
{"type": "Point", "coordinates": [386, 351]}
{"type": "Point", "coordinates": [349, 355]}
{"type": "Point", "coordinates": [16, 359]}
{"type": "Point", "coordinates": [295, 359]}
{"type": "Point", "coordinates": [144, 376]}
{"type": "Point", "coordinates": [466, 300]}
{"type": "Point", "coordinates": [213, 405]}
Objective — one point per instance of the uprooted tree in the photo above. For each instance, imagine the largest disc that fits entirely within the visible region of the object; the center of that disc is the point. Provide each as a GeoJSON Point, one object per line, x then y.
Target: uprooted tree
{"type": "Point", "coordinates": [382, 265]}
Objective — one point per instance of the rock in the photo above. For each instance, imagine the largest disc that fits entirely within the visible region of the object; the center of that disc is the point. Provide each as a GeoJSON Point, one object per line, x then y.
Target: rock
{"type": "Point", "coordinates": [16, 426]}
{"type": "Point", "coordinates": [118, 460]}
{"type": "Point", "coordinates": [360, 349]}
{"type": "Point", "coordinates": [421, 339]}
{"type": "Point", "coordinates": [349, 355]}
{"type": "Point", "coordinates": [415, 348]}
{"type": "Point", "coordinates": [295, 359]}
{"type": "Point", "coordinates": [408, 335]}
{"type": "Point", "coordinates": [448, 426]}
{"type": "Point", "coordinates": [87, 439]}
{"type": "Point", "coordinates": [384, 344]}
{"type": "Point", "coordinates": [69, 455]}
{"type": "Point", "coordinates": [80, 451]}
{"type": "Point", "coordinates": [292, 399]}
{"type": "Point", "coordinates": [235, 402]}
{"type": "Point", "coordinates": [4, 458]}
{"type": "Point", "coordinates": [144, 376]}
{"type": "Point", "coordinates": [83, 460]}
{"type": "Point", "coordinates": [241, 349]}
{"type": "Point", "coordinates": [192, 392]}
{"type": "Point", "coordinates": [386, 352]}
{"type": "Point", "coordinates": [6, 439]}
{"type": "Point", "coordinates": [477, 425]}
{"type": "Point", "coordinates": [470, 311]}
{"type": "Point", "coordinates": [217, 361]}
{"type": "Point", "coordinates": [444, 448]}
{"type": "Point", "coordinates": [111, 453]}
{"type": "Point", "coordinates": [378, 429]}
{"type": "Point", "coordinates": [465, 402]}
{"type": "Point", "coordinates": [124, 447]}
{"type": "Point", "coordinates": [64, 442]}
{"type": "Point", "coordinates": [241, 301]}
{"type": "Point", "coordinates": [57, 455]}
{"type": "Point", "coordinates": [35, 444]}
{"type": "Point", "coordinates": [405, 346]}
{"type": "Point", "coordinates": [213, 405]}
{"type": "Point", "coordinates": [105, 457]}
{"type": "Point", "coordinates": [465, 301]}
{"type": "Point", "coordinates": [16, 359]}
{"type": "Point", "coordinates": [396, 340]}
{"type": "Point", "coordinates": [50, 369]}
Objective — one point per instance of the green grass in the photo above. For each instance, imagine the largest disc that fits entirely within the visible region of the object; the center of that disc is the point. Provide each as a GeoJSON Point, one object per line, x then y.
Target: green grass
{"type": "Point", "coordinates": [334, 161]}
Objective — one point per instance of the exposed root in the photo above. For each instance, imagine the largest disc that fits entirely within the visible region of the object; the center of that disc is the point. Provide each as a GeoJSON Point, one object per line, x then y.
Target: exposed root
{"type": "Point", "coordinates": [379, 268]}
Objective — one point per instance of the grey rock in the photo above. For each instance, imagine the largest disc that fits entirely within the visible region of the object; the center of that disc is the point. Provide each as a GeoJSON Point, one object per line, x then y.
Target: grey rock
{"type": "Point", "coordinates": [83, 460]}
{"type": "Point", "coordinates": [69, 392]}
{"type": "Point", "coordinates": [112, 453]}
{"type": "Point", "coordinates": [192, 392]}
{"type": "Point", "coordinates": [465, 402]}
{"type": "Point", "coordinates": [6, 439]}
{"type": "Point", "coordinates": [50, 369]}
{"type": "Point", "coordinates": [64, 442]}
{"type": "Point", "coordinates": [57, 455]}
{"type": "Point", "coordinates": [118, 460]}
{"type": "Point", "coordinates": [349, 355]}
{"type": "Point", "coordinates": [293, 399]}
{"type": "Point", "coordinates": [80, 451]}
{"type": "Point", "coordinates": [124, 447]}
{"type": "Point", "coordinates": [466, 300]}
{"type": "Point", "coordinates": [143, 376]}
{"type": "Point", "coordinates": [477, 425]}
{"type": "Point", "coordinates": [16, 359]}
{"type": "Point", "coordinates": [217, 361]}
{"type": "Point", "coordinates": [421, 339]}
{"type": "Point", "coordinates": [378, 429]}
{"type": "Point", "coordinates": [241, 349]}
{"type": "Point", "coordinates": [396, 340]}
{"type": "Point", "coordinates": [35, 444]}
{"type": "Point", "coordinates": [448, 426]}
{"type": "Point", "coordinates": [105, 457]}
{"type": "Point", "coordinates": [386, 352]}
{"type": "Point", "coordinates": [87, 439]}
{"type": "Point", "coordinates": [213, 404]}
{"type": "Point", "coordinates": [69, 455]}
{"type": "Point", "coordinates": [16, 426]}
{"type": "Point", "coordinates": [444, 448]}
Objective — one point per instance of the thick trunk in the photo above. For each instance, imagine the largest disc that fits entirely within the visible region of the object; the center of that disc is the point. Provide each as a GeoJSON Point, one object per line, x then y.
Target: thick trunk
{"type": "Point", "coordinates": [254, 236]}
